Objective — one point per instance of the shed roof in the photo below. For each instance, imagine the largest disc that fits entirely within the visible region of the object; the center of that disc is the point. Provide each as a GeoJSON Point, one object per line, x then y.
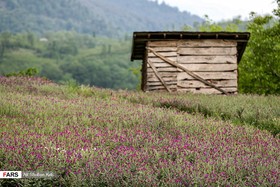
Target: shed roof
{"type": "Point", "coordinates": [141, 38]}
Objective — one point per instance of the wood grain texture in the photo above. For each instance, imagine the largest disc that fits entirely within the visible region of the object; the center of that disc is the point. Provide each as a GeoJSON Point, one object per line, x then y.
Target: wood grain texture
{"type": "Point", "coordinates": [165, 49]}
{"type": "Point", "coordinates": [210, 51]}
{"type": "Point", "coordinates": [164, 74]}
{"type": "Point", "coordinates": [198, 66]}
{"type": "Point", "coordinates": [198, 84]}
{"type": "Point", "coordinates": [166, 54]}
{"type": "Point", "coordinates": [160, 65]}
{"type": "Point", "coordinates": [210, 67]}
{"type": "Point", "coordinates": [163, 67]}
{"type": "Point", "coordinates": [206, 43]}
{"type": "Point", "coordinates": [158, 83]}
{"type": "Point", "coordinates": [172, 69]}
{"type": "Point", "coordinates": [158, 76]}
{"type": "Point", "coordinates": [162, 43]}
{"type": "Point", "coordinates": [158, 60]}
{"type": "Point", "coordinates": [209, 75]}
{"type": "Point", "coordinates": [166, 79]}
{"type": "Point", "coordinates": [207, 90]}
{"type": "Point", "coordinates": [206, 59]}
{"type": "Point", "coordinates": [187, 71]}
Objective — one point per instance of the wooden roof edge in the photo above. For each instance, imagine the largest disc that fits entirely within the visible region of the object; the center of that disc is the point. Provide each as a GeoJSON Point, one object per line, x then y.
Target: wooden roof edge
{"type": "Point", "coordinates": [170, 34]}
{"type": "Point", "coordinates": [145, 36]}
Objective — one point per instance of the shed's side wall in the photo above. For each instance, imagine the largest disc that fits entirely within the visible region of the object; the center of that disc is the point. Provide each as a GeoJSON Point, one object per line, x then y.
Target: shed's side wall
{"type": "Point", "coordinates": [167, 72]}
{"type": "Point", "coordinates": [213, 60]}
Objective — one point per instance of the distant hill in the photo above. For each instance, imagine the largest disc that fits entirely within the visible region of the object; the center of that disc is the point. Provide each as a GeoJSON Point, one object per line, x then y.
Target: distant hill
{"type": "Point", "coordinates": [99, 17]}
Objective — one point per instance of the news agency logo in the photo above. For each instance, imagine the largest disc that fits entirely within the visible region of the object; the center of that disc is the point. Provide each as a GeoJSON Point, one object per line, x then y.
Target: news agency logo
{"type": "Point", "coordinates": [26, 174]}
{"type": "Point", "coordinates": [10, 174]}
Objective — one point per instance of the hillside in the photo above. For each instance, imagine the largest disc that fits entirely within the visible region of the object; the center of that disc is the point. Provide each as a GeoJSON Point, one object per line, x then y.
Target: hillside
{"type": "Point", "coordinates": [98, 17]}
{"type": "Point", "coordinates": [87, 136]}
{"type": "Point", "coordinates": [71, 57]}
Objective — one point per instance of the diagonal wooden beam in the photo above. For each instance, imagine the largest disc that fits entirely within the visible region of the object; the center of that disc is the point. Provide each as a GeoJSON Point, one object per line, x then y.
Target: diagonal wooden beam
{"type": "Point", "coordinates": [158, 76]}
{"type": "Point", "coordinates": [186, 70]}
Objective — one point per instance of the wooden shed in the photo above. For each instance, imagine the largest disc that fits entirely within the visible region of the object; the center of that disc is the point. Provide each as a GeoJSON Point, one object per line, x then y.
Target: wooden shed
{"type": "Point", "coordinates": [199, 62]}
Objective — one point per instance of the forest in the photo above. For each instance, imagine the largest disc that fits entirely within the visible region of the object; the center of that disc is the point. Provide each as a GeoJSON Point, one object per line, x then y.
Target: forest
{"type": "Point", "coordinates": [70, 57]}
{"type": "Point", "coordinates": [104, 61]}
{"type": "Point", "coordinates": [109, 18]}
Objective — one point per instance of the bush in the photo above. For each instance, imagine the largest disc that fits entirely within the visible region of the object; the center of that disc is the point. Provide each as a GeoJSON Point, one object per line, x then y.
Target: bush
{"type": "Point", "coordinates": [30, 72]}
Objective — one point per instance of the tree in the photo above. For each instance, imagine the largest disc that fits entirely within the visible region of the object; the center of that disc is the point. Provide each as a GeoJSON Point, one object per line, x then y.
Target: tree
{"type": "Point", "coordinates": [259, 71]}
{"type": "Point", "coordinates": [277, 11]}
{"type": "Point", "coordinates": [31, 39]}
{"type": "Point", "coordinates": [208, 25]}
{"type": "Point", "coordinates": [4, 42]}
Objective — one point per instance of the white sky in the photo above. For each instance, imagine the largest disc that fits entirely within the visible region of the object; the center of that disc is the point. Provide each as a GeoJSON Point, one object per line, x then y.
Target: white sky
{"type": "Point", "coordinates": [224, 9]}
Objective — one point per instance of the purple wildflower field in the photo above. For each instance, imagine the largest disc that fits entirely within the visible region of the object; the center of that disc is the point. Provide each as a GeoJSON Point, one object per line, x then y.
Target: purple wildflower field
{"type": "Point", "coordinates": [95, 137]}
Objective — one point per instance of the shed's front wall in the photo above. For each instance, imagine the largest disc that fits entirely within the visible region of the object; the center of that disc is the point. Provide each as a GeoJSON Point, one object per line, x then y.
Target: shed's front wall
{"type": "Point", "coordinates": [213, 60]}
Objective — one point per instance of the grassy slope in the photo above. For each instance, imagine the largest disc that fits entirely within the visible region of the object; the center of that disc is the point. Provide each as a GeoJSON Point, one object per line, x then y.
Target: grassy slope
{"type": "Point", "coordinates": [262, 112]}
{"type": "Point", "coordinates": [102, 137]}
{"type": "Point", "coordinates": [21, 59]}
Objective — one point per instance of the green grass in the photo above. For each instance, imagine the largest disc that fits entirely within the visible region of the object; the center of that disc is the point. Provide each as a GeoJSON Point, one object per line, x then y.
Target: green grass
{"type": "Point", "coordinates": [262, 112]}
{"type": "Point", "coordinates": [99, 137]}
{"type": "Point", "coordinates": [20, 59]}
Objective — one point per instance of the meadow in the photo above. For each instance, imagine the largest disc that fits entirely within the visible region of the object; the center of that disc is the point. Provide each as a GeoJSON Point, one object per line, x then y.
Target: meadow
{"type": "Point", "coordinates": [99, 137]}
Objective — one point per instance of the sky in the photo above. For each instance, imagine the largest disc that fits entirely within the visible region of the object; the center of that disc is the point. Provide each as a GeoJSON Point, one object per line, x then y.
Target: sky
{"type": "Point", "coordinates": [218, 10]}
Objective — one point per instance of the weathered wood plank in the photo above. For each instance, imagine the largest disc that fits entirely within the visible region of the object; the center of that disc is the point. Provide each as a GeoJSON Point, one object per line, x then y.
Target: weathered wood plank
{"type": "Point", "coordinates": [206, 43]}
{"type": "Point", "coordinates": [207, 90]}
{"type": "Point", "coordinates": [210, 67]}
{"type": "Point", "coordinates": [162, 44]}
{"type": "Point", "coordinates": [166, 54]}
{"type": "Point", "coordinates": [151, 77]}
{"type": "Point", "coordinates": [160, 89]}
{"type": "Point", "coordinates": [172, 69]}
{"type": "Point", "coordinates": [164, 74]}
{"type": "Point", "coordinates": [157, 83]}
{"type": "Point", "coordinates": [165, 49]}
{"type": "Point", "coordinates": [164, 67]}
{"type": "Point", "coordinates": [206, 59]}
{"type": "Point", "coordinates": [166, 79]}
{"type": "Point", "coordinates": [209, 75]}
{"type": "Point", "coordinates": [198, 84]}
{"type": "Point", "coordinates": [210, 51]}
{"type": "Point", "coordinates": [159, 76]}
{"type": "Point", "coordinates": [158, 60]}
{"type": "Point", "coordinates": [161, 65]}
{"type": "Point", "coordinates": [149, 87]}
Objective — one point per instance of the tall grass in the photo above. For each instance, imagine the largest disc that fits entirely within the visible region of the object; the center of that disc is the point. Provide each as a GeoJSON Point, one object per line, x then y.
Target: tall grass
{"type": "Point", "coordinates": [97, 137]}
{"type": "Point", "coordinates": [262, 112]}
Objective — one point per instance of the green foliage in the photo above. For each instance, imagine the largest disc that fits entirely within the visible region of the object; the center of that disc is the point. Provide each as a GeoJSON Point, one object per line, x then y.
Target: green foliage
{"type": "Point", "coordinates": [137, 72]}
{"type": "Point", "coordinates": [208, 25]}
{"type": "Point", "coordinates": [259, 70]}
{"type": "Point", "coordinates": [277, 11]}
{"type": "Point", "coordinates": [73, 87]}
{"type": "Point", "coordinates": [66, 56]}
{"type": "Point", "coordinates": [30, 72]}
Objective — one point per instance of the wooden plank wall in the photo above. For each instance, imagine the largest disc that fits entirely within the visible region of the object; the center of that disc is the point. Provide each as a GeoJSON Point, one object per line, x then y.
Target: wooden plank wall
{"type": "Point", "coordinates": [167, 71]}
{"type": "Point", "coordinates": [213, 60]}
